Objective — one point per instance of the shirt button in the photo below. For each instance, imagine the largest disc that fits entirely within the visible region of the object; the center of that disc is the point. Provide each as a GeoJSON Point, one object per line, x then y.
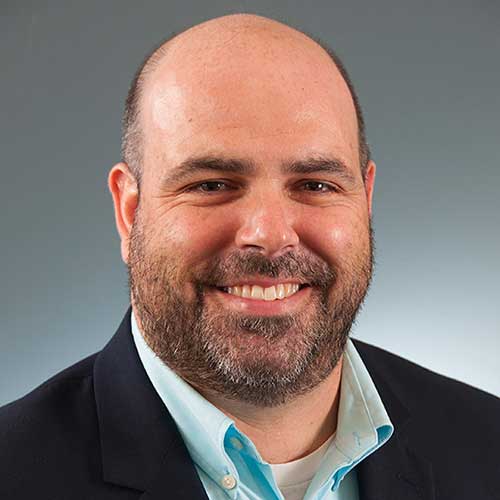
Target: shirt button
{"type": "Point", "coordinates": [236, 443]}
{"type": "Point", "coordinates": [228, 482]}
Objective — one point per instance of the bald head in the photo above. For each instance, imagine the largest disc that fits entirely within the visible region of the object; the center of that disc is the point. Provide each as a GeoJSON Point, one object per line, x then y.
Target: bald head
{"type": "Point", "coordinates": [235, 70]}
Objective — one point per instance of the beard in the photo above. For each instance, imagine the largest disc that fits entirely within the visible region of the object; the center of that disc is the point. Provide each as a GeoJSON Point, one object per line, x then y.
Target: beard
{"type": "Point", "coordinates": [263, 360]}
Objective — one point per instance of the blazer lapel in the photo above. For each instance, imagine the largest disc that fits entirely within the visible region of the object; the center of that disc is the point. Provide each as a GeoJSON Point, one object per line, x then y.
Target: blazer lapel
{"type": "Point", "coordinates": [141, 446]}
{"type": "Point", "coordinates": [176, 476]}
{"type": "Point", "coordinates": [395, 471]}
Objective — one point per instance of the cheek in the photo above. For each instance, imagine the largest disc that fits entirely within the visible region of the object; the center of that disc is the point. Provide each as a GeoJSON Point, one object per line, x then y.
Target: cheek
{"type": "Point", "coordinates": [338, 238]}
{"type": "Point", "coordinates": [195, 235]}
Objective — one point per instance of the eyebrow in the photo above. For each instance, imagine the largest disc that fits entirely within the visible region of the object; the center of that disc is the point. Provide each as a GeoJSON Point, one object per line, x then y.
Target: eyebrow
{"type": "Point", "coordinates": [312, 165]}
{"type": "Point", "coordinates": [192, 166]}
{"type": "Point", "coordinates": [322, 164]}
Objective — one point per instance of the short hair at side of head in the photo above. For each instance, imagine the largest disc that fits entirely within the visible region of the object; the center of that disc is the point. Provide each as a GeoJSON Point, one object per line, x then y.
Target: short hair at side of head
{"type": "Point", "coordinates": [364, 147]}
{"type": "Point", "coordinates": [132, 139]}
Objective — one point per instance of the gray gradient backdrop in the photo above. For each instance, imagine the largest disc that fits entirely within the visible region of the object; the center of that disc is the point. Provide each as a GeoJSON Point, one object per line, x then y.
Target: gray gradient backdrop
{"type": "Point", "coordinates": [429, 79]}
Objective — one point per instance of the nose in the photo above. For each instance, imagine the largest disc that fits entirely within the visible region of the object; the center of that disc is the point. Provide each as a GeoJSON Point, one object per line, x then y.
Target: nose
{"type": "Point", "coordinates": [267, 225]}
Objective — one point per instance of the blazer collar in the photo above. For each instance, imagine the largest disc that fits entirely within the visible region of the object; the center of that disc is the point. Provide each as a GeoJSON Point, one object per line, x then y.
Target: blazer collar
{"type": "Point", "coordinates": [396, 470]}
{"type": "Point", "coordinates": [140, 445]}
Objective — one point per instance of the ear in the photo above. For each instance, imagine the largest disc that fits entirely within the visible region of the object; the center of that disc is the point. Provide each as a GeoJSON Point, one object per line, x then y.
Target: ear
{"type": "Point", "coordinates": [369, 183]}
{"type": "Point", "coordinates": [123, 187]}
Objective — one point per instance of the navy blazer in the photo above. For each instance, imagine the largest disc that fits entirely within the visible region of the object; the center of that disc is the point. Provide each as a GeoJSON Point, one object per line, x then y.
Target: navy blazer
{"type": "Point", "coordinates": [98, 430]}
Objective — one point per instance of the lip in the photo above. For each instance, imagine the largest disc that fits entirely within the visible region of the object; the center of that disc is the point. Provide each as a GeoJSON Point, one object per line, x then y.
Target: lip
{"type": "Point", "coordinates": [262, 307]}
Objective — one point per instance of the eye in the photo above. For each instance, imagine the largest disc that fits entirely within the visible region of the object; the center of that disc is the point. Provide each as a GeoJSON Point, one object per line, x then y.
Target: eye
{"type": "Point", "coordinates": [210, 187]}
{"type": "Point", "coordinates": [319, 187]}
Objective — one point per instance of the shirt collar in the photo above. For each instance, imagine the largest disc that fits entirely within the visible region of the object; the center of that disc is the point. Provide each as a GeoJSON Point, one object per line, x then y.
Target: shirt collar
{"type": "Point", "coordinates": [363, 424]}
{"type": "Point", "coordinates": [203, 426]}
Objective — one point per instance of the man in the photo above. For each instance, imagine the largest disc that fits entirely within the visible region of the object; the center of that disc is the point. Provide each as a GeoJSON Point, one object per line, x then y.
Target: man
{"type": "Point", "coordinates": [243, 206]}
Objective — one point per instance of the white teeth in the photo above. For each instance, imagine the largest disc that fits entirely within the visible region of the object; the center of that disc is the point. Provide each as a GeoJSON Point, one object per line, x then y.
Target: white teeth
{"type": "Point", "coordinates": [277, 292]}
{"type": "Point", "coordinates": [257, 292]}
{"type": "Point", "coordinates": [270, 293]}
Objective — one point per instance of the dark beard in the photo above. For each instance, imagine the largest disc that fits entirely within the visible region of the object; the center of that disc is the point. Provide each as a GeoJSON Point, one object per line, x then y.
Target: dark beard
{"type": "Point", "coordinates": [262, 360]}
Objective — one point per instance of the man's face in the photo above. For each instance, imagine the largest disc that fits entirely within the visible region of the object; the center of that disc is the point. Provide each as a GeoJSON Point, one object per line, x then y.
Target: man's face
{"type": "Point", "coordinates": [250, 182]}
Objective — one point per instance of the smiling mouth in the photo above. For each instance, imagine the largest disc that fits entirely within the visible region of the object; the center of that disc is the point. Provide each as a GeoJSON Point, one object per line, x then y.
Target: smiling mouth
{"type": "Point", "coordinates": [279, 291]}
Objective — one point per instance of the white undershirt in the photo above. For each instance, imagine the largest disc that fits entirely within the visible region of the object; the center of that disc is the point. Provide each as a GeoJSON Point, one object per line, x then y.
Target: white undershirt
{"type": "Point", "coordinates": [293, 478]}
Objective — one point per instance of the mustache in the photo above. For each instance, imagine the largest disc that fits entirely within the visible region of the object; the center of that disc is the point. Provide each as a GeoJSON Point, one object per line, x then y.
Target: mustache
{"type": "Point", "coordinates": [306, 268]}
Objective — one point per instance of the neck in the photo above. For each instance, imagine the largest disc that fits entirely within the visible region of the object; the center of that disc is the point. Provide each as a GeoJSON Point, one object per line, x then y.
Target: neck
{"type": "Point", "coordinates": [290, 431]}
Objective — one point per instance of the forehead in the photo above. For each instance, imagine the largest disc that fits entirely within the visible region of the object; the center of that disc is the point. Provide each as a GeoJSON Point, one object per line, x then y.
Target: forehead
{"type": "Point", "coordinates": [283, 100]}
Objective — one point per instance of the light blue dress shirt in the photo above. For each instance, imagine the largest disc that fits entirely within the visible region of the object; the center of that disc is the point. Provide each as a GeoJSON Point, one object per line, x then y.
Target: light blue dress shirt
{"type": "Point", "coordinates": [227, 461]}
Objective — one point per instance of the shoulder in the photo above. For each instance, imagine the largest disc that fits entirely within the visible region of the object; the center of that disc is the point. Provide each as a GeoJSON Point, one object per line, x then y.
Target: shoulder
{"type": "Point", "coordinates": [445, 414]}
{"type": "Point", "coordinates": [426, 385]}
{"type": "Point", "coordinates": [451, 425]}
{"type": "Point", "coordinates": [46, 434]}
{"type": "Point", "coordinates": [56, 394]}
